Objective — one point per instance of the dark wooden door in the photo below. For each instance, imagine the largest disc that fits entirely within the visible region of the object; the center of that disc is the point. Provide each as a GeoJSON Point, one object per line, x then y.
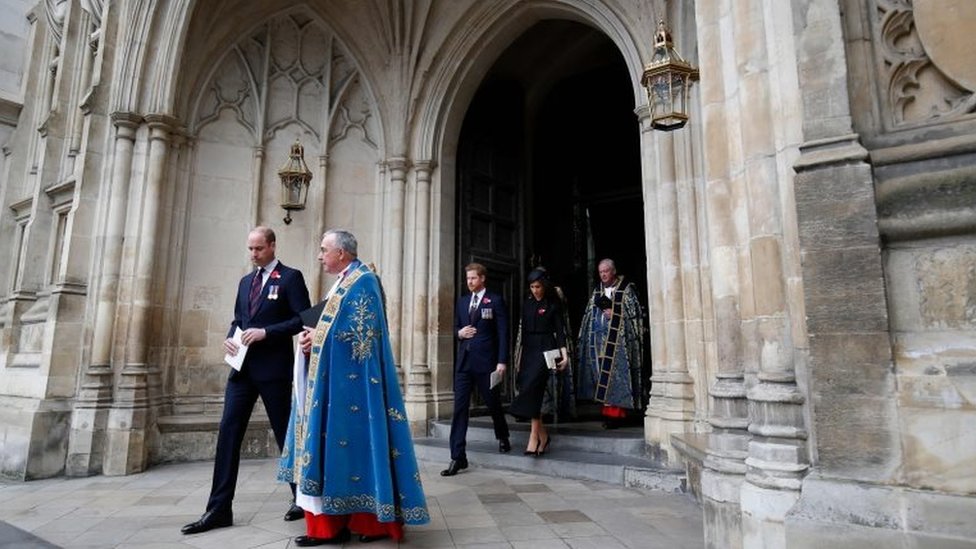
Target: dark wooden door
{"type": "Point", "coordinates": [491, 178]}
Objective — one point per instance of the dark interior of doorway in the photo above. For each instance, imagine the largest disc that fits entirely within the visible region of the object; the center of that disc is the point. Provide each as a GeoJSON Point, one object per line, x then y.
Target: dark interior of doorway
{"type": "Point", "coordinates": [563, 95]}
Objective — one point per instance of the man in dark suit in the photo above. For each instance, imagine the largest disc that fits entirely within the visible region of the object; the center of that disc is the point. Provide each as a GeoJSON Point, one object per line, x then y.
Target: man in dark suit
{"type": "Point", "coordinates": [481, 325]}
{"type": "Point", "coordinates": [269, 301]}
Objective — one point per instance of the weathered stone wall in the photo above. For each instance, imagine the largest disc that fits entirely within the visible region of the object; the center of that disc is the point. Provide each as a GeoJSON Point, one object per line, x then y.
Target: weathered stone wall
{"type": "Point", "coordinates": [893, 407]}
{"type": "Point", "coordinates": [810, 234]}
{"type": "Point", "coordinates": [918, 128]}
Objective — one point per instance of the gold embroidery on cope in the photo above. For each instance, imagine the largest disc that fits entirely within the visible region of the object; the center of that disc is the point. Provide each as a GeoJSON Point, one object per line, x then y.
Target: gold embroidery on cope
{"type": "Point", "coordinates": [321, 333]}
{"type": "Point", "coordinates": [396, 414]}
{"type": "Point", "coordinates": [362, 334]}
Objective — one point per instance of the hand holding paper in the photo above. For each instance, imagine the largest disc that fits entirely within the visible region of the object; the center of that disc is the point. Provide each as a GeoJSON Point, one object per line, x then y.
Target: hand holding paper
{"type": "Point", "coordinates": [496, 378]}
{"type": "Point", "coordinates": [236, 361]}
{"type": "Point", "coordinates": [552, 356]}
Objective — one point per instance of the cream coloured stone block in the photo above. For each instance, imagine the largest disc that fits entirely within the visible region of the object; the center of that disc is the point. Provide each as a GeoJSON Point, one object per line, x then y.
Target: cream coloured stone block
{"type": "Point", "coordinates": [939, 449]}
{"type": "Point", "coordinates": [747, 304]}
{"type": "Point", "coordinates": [937, 391]}
{"type": "Point", "coordinates": [934, 353]}
{"type": "Point", "coordinates": [711, 57]}
{"type": "Point", "coordinates": [193, 328]}
{"type": "Point", "coordinates": [762, 186]}
{"type": "Point", "coordinates": [765, 253]}
{"type": "Point", "coordinates": [749, 35]}
{"type": "Point", "coordinates": [763, 514]}
{"type": "Point", "coordinates": [716, 143]}
{"type": "Point", "coordinates": [947, 287]}
{"type": "Point", "coordinates": [756, 127]}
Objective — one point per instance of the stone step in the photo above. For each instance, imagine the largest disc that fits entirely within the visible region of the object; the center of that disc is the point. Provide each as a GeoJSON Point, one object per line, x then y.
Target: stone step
{"type": "Point", "coordinates": [585, 436]}
{"type": "Point", "coordinates": [580, 450]}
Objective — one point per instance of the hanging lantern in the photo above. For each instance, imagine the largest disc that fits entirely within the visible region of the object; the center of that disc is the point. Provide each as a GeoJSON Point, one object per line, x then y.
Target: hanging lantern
{"type": "Point", "coordinates": [667, 79]}
{"type": "Point", "coordinates": [295, 177]}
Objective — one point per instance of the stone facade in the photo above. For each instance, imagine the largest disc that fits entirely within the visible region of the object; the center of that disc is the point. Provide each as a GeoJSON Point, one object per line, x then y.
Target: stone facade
{"type": "Point", "coordinates": [809, 235]}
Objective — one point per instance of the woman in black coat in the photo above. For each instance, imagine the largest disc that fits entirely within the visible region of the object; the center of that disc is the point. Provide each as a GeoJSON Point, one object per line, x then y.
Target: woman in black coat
{"type": "Point", "coordinates": [541, 329]}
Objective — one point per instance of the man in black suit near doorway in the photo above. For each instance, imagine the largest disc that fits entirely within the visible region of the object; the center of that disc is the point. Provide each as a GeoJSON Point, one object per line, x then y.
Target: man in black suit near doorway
{"type": "Point", "coordinates": [269, 300]}
{"type": "Point", "coordinates": [481, 325]}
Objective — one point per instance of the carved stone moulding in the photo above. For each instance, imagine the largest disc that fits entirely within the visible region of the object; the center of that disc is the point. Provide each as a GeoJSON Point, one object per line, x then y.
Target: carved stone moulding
{"type": "Point", "coordinates": [925, 66]}
{"type": "Point", "coordinates": [923, 195]}
{"type": "Point", "coordinates": [924, 158]}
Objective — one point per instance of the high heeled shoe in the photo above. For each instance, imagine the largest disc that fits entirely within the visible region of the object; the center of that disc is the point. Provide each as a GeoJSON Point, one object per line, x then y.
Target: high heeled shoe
{"type": "Point", "coordinates": [543, 447]}
{"type": "Point", "coordinates": [528, 452]}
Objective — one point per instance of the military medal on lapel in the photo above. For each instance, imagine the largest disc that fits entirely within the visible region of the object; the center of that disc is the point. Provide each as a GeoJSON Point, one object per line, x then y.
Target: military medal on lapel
{"type": "Point", "coordinates": [486, 312]}
{"type": "Point", "coordinates": [273, 288]}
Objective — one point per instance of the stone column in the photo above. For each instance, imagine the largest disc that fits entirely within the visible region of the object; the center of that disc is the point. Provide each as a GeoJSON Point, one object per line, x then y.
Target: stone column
{"type": "Point", "coordinates": [854, 493]}
{"type": "Point", "coordinates": [90, 415]}
{"type": "Point", "coordinates": [317, 215]}
{"type": "Point", "coordinates": [393, 260]}
{"type": "Point", "coordinates": [728, 408]}
{"type": "Point", "coordinates": [257, 171]}
{"type": "Point", "coordinates": [777, 453]}
{"type": "Point", "coordinates": [724, 450]}
{"type": "Point", "coordinates": [671, 406]}
{"type": "Point", "coordinates": [127, 449]}
{"type": "Point", "coordinates": [420, 406]}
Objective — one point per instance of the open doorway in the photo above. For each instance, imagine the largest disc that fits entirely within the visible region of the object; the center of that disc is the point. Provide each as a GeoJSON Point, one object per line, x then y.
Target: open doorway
{"type": "Point", "coordinates": [549, 167]}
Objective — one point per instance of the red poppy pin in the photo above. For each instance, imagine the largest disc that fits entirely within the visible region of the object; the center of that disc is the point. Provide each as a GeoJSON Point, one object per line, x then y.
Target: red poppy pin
{"type": "Point", "coordinates": [542, 311]}
{"type": "Point", "coordinates": [485, 300]}
{"type": "Point", "coordinates": [275, 274]}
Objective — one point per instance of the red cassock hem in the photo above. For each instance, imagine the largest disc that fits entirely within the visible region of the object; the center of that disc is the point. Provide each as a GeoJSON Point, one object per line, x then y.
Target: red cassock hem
{"type": "Point", "coordinates": [615, 412]}
{"type": "Point", "coordinates": [365, 524]}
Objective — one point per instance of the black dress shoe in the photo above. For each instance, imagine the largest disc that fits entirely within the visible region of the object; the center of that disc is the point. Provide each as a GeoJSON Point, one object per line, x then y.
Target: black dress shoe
{"type": "Point", "coordinates": [504, 446]}
{"type": "Point", "coordinates": [367, 539]}
{"type": "Point", "coordinates": [455, 466]}
{"type": "Point", "coordinates": [309, 541]}
{"type": "Point", "coordinates": [294, 513]}
{"type": "Point", "coordinates": [209, 521]}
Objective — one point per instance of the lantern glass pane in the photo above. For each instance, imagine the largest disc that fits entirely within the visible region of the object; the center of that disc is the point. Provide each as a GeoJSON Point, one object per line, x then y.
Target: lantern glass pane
{"type": "Point", "coordinates": [678, 90]}
{"type": "Point", "coordinates": [660, 92]}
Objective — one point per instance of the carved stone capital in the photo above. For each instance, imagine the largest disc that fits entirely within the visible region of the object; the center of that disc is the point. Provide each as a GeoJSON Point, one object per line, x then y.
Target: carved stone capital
{"type": "Point", "coordinates": [161, 126]}
{"type": "Point", "coordinates": [127, 123]}
{"type": "Point", "coordinates": [424, 169]}
{"type": "Point", "coordinates": [398, 168]}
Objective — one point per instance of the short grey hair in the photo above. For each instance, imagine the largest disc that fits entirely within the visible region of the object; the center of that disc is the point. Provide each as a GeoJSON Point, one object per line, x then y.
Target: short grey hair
{"type": "Point", "coordinates": [609, 262]}
{"type": "Point", "coordinates": [344, 240]}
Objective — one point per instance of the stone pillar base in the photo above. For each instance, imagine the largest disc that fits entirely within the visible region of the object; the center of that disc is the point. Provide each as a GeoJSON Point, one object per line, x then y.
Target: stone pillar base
{"type": "Point", "coordinates": [419, 400]}
{"type": "Point", "coordinates": [720, 507]}
{"type": "Point", "coordinates": [763, 513]}
{"type": "Point", "coordinates": [841, 514]}
{"type": "Point", "coordinates": [86, 446]}
{"type": "Point", "coordinates": [126, 451]}
{"type": "Point", "coordinates": [33, 441]}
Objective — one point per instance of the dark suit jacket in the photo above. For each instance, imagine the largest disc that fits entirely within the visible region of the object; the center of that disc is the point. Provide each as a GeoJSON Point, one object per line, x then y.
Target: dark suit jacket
{"type": "Point", "coordinates": [481, 353]}
{"type": "Point", "coordinates": [271, 358]}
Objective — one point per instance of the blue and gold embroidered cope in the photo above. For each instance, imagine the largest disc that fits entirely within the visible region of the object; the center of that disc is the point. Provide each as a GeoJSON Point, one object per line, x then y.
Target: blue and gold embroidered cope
{"type": "Point", "coordinates": [363, 334]}
{"type": "Point", "coordinates": [356, 451]}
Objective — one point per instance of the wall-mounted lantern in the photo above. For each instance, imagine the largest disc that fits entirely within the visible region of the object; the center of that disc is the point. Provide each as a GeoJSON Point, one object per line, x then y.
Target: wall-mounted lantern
{"type": "Point", "coordinates": [668, 80]}
{"type": "Point", "coordinates": [295, 176]}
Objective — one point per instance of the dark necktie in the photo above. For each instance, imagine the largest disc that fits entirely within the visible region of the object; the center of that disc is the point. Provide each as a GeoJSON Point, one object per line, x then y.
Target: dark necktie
{"type": "Point", "coordinates": [473, 307]}
{"type": "Point", "coordinates": [254, 299]}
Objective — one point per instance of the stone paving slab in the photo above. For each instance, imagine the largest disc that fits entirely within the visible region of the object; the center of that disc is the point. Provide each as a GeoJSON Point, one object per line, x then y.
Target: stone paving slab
{"type": "Point", "coordinates": [483, 508]}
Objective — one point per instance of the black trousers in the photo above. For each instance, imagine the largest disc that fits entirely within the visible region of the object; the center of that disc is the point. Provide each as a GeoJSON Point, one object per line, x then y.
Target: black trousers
{"type": "Point", "coordinates": [239, 398]}
{"type": "Point", "coordinates": [464, 383]}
